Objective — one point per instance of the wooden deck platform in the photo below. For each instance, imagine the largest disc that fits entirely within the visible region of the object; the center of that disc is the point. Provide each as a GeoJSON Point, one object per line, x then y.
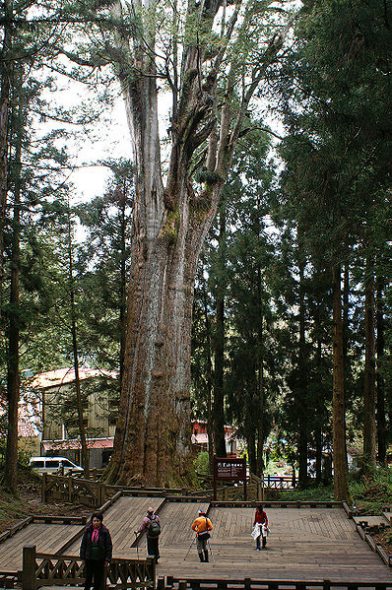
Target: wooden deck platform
{"type": "Point", "coordinates": [48, 538]}
{"type": "Point", "coordinates": [122, 519]}
{"type": "Point", "coordinates": [305, 543]}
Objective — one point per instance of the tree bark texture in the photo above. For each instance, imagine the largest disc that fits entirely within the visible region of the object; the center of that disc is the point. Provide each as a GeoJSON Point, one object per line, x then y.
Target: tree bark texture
{"type": "Point", "coordinates": [338, 403]}
{"type": "Point", "coordinates": [369, 397]}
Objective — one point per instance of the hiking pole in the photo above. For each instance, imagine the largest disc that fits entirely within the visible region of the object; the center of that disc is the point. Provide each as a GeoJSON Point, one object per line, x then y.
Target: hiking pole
{"type": "Point", "coordinates": [210, 548]}
{"type": "Point", "coordinates": [137, 544]}
{"type": "Point", "coordinates": [187, 553]}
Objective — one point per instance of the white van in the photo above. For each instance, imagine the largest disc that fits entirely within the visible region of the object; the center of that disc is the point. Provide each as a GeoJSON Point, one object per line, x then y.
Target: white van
{"type": "Point", "coordinates": [54, 465]}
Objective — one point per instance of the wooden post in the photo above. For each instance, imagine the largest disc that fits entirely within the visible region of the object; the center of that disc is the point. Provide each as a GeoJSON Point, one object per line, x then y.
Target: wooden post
{"type": "Point", "coordinates": [44, 486]}
{"type": "Point", "coordinates": [102, 494]}
{"type": "Point", "coordinates": [29, 581]}
{"type": "Point", "coordinates": [69, 489]}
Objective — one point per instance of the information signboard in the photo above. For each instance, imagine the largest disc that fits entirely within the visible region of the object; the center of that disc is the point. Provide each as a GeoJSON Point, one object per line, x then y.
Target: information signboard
{"type": "Point", "coordinates": [229, 469]}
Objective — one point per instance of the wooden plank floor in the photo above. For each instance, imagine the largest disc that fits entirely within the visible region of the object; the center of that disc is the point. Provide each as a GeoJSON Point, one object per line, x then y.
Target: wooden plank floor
{"type": "Point", "coordinates": [122, 519]}
{"type": "Point", "coordinates": [48, 538]}
{"type": "Point", "coordinates": [304, 544]}
{"type": "Point", "coordinates": [175, 517]}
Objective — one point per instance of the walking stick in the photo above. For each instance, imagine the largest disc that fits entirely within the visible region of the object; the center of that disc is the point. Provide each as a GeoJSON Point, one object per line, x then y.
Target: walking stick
{"type": "Point", "coordinates": [187, 553]}
{"type": "Point", "coordinates": [137, 544]}
{"type": "Point", "coordinates": [210, 548]}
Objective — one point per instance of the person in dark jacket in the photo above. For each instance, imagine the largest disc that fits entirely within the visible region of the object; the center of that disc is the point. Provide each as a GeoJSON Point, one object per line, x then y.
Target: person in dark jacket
{"type": "Point", "coordinates": [96, 550]}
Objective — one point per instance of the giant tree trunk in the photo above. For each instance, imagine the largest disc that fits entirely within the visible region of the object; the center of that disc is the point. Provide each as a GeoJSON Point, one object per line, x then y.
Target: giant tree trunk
{"type": "Point", "coordinates": [338, 403]}
{"type": "Point", "coordinates": [171, 220]}
{"type": "Point", "coordinates": [152, 439]}
{"type": "Point", "coordinates": [154, 421]}
{"type": "Point", "coordinates": [369, 404]}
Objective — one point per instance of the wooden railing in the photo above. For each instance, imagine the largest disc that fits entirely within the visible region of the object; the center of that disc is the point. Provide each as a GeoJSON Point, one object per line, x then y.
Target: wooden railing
{"type": "Point", "coordinates": [170, 583]}
{"type": "Point", "coordinates": [279, 504]}
{"type": "Point", "coordinates": [41, 569]}
{"type": "Point", "coordinates": [16, 528]}
{"type": "Point", "coordinates": [279, 482]}
{"type": "Point", "coordinates": [57, 488]}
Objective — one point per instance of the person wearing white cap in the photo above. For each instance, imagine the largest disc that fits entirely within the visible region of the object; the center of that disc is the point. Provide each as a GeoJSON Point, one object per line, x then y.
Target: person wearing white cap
{"type": "Point", "coordinates": [202, 527]}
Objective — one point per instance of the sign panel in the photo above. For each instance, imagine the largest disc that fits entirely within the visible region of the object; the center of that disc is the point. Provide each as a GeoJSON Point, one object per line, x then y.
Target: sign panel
{"type": "Point", "coordinates": [229, 469]}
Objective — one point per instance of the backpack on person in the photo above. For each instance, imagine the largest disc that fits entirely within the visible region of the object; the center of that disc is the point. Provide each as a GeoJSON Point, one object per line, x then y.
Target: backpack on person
{"type": "Point", "coordinates": [154, 528]}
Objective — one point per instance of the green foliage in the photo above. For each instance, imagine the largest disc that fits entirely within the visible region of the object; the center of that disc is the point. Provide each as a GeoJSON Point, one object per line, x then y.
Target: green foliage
{"type": "Point", "coordinates": [201, 464]}
{"type": "Point", "coordinates": [387, 537]}
{"type": "Point", "coordinates": [372, 493]}
{"type": "Point", "coordinates": [316, 493]}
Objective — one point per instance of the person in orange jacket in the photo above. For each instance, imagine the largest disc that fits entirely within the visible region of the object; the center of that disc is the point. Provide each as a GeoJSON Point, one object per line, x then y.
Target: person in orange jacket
{"type": "Point", "coordinates": [202, 527]}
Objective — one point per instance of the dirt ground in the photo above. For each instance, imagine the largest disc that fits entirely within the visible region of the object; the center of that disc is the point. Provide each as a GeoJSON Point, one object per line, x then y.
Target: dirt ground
{"type": "Point", "coordinates": [28, 502]}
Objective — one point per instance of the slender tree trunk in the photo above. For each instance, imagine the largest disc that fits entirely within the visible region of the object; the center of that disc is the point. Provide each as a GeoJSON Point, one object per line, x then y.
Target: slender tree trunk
{"type": "Point", "coordinates": [260, 357]}
{"type": "Point", "coordinates": [251, 446]}
{"type": "Point", "coordinates": [219, 412]}
{"type": "Point", "coordinates": [380, 384]}
{"type": "Point", "coordinates": [13, 377]}
{"type": "Point", "coordinates": [5, 81]}
{"type": "Point", "coordinates": [209, 379]}
{"type": "Point", "coordinates": [319, 455]}
{"type": "Point", "coordinates": [302, 389]}
{"type": "Point", "coordinates": [319, 402]}
{"type": "Point", "coordinates": [123, 278]}
{"type": "Point", "coordinates": [346, 307]}
{"type": "Point", "coordinates": [369, 417]}
{"type": "Point", "coordinates": [345, 314]}
{"type": "Point", "coordinates": [338, 403]}
{"type": "Point", "coordinates": [75, 352]}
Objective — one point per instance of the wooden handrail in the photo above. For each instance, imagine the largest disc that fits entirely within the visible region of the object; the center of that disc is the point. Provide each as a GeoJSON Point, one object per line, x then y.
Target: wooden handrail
{"type": "Point", "coordinates": [14, 529]}
{"type": "Point", "coordinates": [42, 569]}
{"type": "Point", "coordinates": [171, 583]}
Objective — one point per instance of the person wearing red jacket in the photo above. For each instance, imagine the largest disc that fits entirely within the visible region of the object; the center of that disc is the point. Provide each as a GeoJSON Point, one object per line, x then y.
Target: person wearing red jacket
{"type": "Point", "coordinates": [261, 518]}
